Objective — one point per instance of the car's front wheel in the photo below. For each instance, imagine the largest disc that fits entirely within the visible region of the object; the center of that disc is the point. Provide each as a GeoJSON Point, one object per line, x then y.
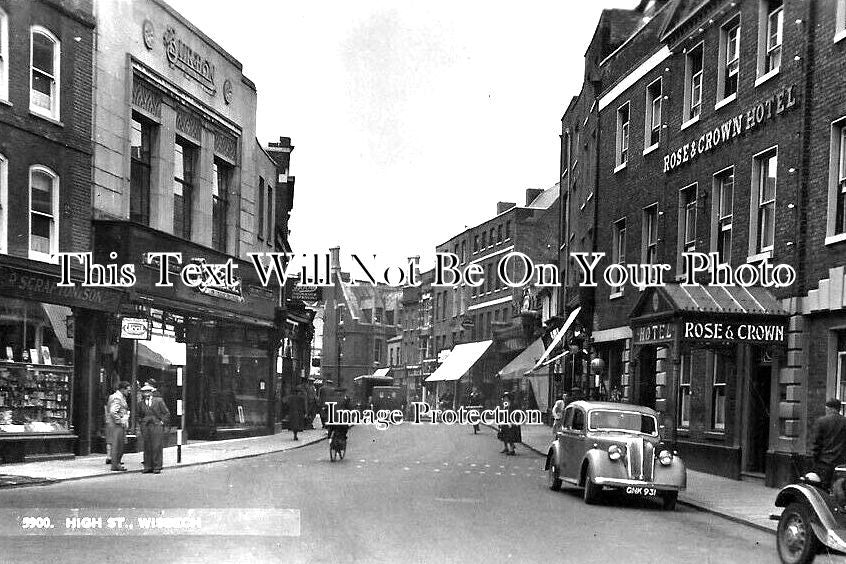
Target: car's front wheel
{"type": "Point", "coordinates": [592, 490]}
{"type": "Point", "coordinates": [795, 540]}
{"type": "Point", "coordinates": [668, 500]}
{"type": "Point", "coordinates": [553, 479]}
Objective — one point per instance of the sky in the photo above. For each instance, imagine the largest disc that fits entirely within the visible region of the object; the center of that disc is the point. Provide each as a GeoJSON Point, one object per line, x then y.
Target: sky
{"type": "Point", "coordinates": [410, 120]}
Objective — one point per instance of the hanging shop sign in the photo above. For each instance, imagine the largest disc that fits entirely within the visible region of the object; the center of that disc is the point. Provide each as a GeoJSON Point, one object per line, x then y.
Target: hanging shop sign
{"type": "Point", "coordinates": [135, 328]}
{"type": "Point", "coordinates": [754, 117]}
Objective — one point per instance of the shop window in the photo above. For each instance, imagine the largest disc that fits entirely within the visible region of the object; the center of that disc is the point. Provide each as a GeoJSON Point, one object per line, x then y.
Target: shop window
{"type": "Point", "coordinates": [261, 196]}
{"type": "Point", "coordinates": [650, 235]}
{"type": "Point", "coordinates": [36, 348]}
{"type": "Point", "coordinates": [4, 204]}
{"type": "Point", "coordinates": [4, 56]}
{"type": "Point", "coordinates": [622, 135]}
{"type": "Point", "coordinates": [652, 123]}
{"type": "Point", "coordinates": [764, 176]}
{"type": "Point", "coordinates": [693, 83]}
{"type": "Point", "coordinates": [687, 220]}
{"type": "Point", "coordinates": [45, 61]}
{"type": "Point", "coordinates": [139, 174]}
{"type": "Point", "coordinates": [184, 159]}
{"type": "Point", "coordinates": [685, 379]}
{"type": "Point", "coordinates": [43, 214]}
{"type": "Point", "coordinates": [729, 61]}
{"type": "Point", "coordinates": [618, 249]}
{"type": "Point", "coordinates": [221, 175]}
{"type": "Point", "coordinates": [724, 204]}
{"type": "Point", "coordinates": [721, 369]}
{"type": "Point", "coordinates": [837, 182]}
{"type": "Point", "coordinates": [770, 35]}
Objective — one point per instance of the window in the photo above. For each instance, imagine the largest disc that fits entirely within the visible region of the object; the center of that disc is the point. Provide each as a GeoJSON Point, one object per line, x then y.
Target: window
{"type": "Point", "coordinates": [139, 174]}
{"type": "Point", "coordinates": [578, 420]}
{"type": "Point", "coordinates": [269, 214]}
{"type": "Point", "coordinates": [499, 233]}
{"type": "Point", "coordinates": [622, 135]}
{"type": "Point", "coordinates": [687, 220]}
{"type": "Point", "coordinates": [650, 234]}
{"type": "Point", "coordinates": [764, 176]}
{"type": "Point", "coordinates": [618, 250]}
{"type": "Point", "coordinates": [837, 182]}
{"type": "Point", "coordinates": [463, 252]}
{"type": "Point", "coordinates": [722, 369]}
{"type": "Point", "coordinates": [4, 56]}
{"type": "Point", "coordinates": [44, 76]}
{"type": "Point", "coordinates": [693, 83]}
{"type": "Point", "coordinates": [43, 213]}
{"type": "Point", "coordinates": [840, 20]}
{"type": "Point", "coordinates": [729, 60]}
{"type": "Point", "coordinates": [685, 377]}
{"type": "Point", "coordinates": [775, 26]}
{"type": "Point", "coordinates": [183, 187]}
{"type": "Point", "coordinates": [484, 239]}
{"type": "Point", "coordinates": [724, 202]}
{"type": "Point", "coordinates": [652, 134]}
{"type": "Point", "coordinates": [508, 229]}
{"type": "Point", "coordinates": [260, 230]}
{"type": "Point", "coordinates": [377, 350]}
{"type": "Point", "coordinates": [475, 243]}
{"type": "Point", "coordinates": [4, 203]}
{"type": "Point", "coordinates": [491, 240]}
{"type": "Point", "coordinates": [221, 174]}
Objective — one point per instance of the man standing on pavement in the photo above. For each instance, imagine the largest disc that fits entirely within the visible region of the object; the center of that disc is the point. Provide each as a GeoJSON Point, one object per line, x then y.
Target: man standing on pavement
{"type": "Point", "coordinates": [154, 416]}
{"type": "Point", "coordinates": [296, 411]}
{"type": "Point", "coordinates": [117, 420]}
{"type": "Point", "coordinates": [829, 446]}
{"type": "Point", "coordinates": [558, 414]}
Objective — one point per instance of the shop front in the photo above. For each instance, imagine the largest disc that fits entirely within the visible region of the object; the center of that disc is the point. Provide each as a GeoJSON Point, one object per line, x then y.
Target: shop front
{"type": "Point", "coordinates": [708, 358]}
{"type": "Point", "coordinates": [212, 348]}
{"type": "Point", "coordinates": [49, 338]}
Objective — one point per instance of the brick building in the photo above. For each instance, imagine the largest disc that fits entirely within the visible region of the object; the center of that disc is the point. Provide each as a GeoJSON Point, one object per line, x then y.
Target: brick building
{"type": "Point", "coordinates": [718, 134]}
{"type": "Point", "coordinates": [416, 355]}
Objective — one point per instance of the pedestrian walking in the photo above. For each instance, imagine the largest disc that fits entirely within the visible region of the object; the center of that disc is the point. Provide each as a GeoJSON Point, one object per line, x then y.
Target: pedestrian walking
{"type": "Point", "coordinates": [829, 445]}
{"type": "Point", "coordinates": [508, 433]}
{"type": "Point", "coordinates": [296, 411]}
{"type": "Point", "coordinates": [154, 416]}
{"type": "Point", "coordinates": [558, 414]}
{"type": "Point", "coordinates": [117, 421]}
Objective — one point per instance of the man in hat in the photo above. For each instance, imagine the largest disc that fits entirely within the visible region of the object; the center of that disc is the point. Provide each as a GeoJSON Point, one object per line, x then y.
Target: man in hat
{"type": "Point", "coordinates": [829, 445]}
{"type": "Point", "coordinates": [117, 420]}
{"type": "Point", "coordinates": [154, 416]}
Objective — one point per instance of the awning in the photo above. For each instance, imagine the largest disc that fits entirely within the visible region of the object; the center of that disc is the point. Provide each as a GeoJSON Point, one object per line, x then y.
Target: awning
{"type": "Point", "coordinates": [58, 316]}
{"type": "Point", "coordinates": [557, 339]}
{"type": "Point", "coordinates": [460, 360]}
{"type": "Point", "coordinates": [381, 373]}
{"type": "Point", "coordinates": [373, 377]}
{"type": "Point", "coordinates": [161, 353]}
{"type": "Point", "coordinates": [540, 387]}
{"type": "Point", "coordinates": [523, 362]}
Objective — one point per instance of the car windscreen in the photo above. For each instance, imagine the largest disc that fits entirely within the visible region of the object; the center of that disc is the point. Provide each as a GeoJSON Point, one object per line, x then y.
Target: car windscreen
{"type": "Point", "coordinates": [626, 421]}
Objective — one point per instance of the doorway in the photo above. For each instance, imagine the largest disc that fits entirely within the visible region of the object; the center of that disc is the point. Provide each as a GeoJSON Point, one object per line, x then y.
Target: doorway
{"type": "Point", "coordinates": [760, 386]}
{"type": "Point", "coordinates": [647, 358]}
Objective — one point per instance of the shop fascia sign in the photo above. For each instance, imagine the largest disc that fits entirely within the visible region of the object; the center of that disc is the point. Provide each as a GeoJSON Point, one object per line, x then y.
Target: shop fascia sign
{"type": "Point", "coordinates": [759, 114]}
{"type": "Point", "coordinates": [713, 331]}
{"type": "Point", "coordinates": [210, 284]}
{"type": "Point", "coordinates": [654, 333]}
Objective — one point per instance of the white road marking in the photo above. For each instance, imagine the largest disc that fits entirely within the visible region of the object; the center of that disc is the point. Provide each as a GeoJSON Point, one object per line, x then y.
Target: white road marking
{"type": "Point", "coordinates": [458, 499]}
{"type": "Point", "coordinates": [436, 470]}
{"type": "Point", "coordinates": [406, 468]}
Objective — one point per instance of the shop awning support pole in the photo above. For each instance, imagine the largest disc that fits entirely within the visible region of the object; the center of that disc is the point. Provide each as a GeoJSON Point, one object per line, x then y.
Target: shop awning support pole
{"type": "Point", "coordinates": [134, 390]}
{"type": "Point", "coordinates": [180, 411]}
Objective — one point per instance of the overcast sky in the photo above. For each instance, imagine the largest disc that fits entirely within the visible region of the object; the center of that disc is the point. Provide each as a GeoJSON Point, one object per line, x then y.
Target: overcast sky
{"type": "Point", "coordinates": [409, 120]}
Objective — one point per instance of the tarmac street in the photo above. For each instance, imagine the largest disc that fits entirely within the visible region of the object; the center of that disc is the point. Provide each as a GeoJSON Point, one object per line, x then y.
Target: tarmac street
{"type": "Point", "coordinates": [408, 494]}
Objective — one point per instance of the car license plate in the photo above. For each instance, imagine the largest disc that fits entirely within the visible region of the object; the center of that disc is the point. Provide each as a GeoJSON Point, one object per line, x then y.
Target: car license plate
{"type": "Point", "coordinates": [638, 490]}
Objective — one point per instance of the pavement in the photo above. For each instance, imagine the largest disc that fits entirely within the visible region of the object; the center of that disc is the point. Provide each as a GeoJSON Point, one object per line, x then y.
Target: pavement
{"type": "Point", "coordinates": [746, 502]}
{"type": "Point", "coordinates": [743, 501]}
{"type": "Point", "coordinates": [196, 452]}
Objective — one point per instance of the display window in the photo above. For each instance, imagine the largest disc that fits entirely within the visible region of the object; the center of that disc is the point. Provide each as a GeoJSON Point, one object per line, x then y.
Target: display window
{"type": "Point", "coordinates": [36, 367]}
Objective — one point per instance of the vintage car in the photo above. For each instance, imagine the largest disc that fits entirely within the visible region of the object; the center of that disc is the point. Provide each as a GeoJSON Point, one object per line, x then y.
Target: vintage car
{"type": "Point", "coordinates": [614, 445]}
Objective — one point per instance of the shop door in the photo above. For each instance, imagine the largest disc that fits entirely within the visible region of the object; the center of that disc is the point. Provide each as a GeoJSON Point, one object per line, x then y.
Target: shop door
{"type": "Point", "coordinates": [759, 419]}
{"type": "Point", "coordinates": [646, 376]}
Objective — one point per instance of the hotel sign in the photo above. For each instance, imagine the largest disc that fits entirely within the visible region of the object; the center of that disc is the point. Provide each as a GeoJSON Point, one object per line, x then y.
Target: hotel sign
{"type": "Point", "coordinates": [654, 333]}
{"type": "Point", "coordinates": [768, 333]}
{"type": "Point", "coordinates": [781, 101]}
{"type": "Point", "coordinates": [194, 65]}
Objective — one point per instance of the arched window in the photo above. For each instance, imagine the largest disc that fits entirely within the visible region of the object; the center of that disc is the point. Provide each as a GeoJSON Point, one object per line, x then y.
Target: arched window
{"type": "Point", "coordinates": [43, 214]}
{"type": "Point", "coordinates": [4, 56]}
{"type": "Point", "coordinates": [4, 206]}
{"type": "Point", "coordinates": [45, 59]}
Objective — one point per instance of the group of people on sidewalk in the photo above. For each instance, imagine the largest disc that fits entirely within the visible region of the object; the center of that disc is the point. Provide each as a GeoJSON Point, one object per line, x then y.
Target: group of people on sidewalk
{"type": "Point", "coordinates": [153, 416]}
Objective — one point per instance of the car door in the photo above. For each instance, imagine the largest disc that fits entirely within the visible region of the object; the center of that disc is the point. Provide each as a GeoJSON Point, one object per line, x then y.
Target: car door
{"type": "Point", "coordinates": [573, 435]}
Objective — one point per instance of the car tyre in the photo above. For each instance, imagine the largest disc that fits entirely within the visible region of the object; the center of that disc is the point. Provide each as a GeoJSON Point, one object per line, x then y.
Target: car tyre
{"type": "Point", "coordinates": [592, 490]}
{"type": "Point", "coordinates": [795, 539]}
{"type": "Point", "coordinates": [668, 500]}
{"type": "Point", "coordinates": [553, 479]}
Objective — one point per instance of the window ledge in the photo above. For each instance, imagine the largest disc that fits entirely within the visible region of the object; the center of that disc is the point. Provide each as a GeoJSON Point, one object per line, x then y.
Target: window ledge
{"type": "Point", "coordinates": [650, 149]}
{"type": "Point", "coordinates": [715, 434]}
{"type": "Point", "coordinates": [725, 101]}
{"type": "Point", "coordinates": [52, 120]}
{"type": "Point", "coordinates": [834, 239]}
{"type": "Point", "coordinates": [620, 167]}
{"type": "Point", "coordinates": [5, 102]}
{"type": "Point", "coordinates": [763, 78]}
{"type": "Point", "coordinates": [766, 255]}
{"type": "Point", "coordinates": [615, 295]}
{"type": "Point", "coordinates": [689, 122]}
{"type": "Point", "coordinates": [840, 36]}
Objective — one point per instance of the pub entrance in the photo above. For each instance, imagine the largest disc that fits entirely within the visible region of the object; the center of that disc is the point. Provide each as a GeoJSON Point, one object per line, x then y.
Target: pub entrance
{"type": "Point", "coordinates": [646, 380]}
{"type": "Point", "coordinates": [758, 414]}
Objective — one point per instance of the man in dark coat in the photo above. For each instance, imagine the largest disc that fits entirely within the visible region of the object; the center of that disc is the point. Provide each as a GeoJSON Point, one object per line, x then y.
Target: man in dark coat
{"type": "Point", "coordinates": [829, 446]}
{"type": "Point", "coordinates": [296, 412]}
{"type": "Point", "coordinates": [154, 416]}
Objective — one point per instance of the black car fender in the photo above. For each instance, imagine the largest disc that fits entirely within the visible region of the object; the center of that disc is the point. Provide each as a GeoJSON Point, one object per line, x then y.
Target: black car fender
{"type": "Point", "coordinates": [822, 511]}
{"type": "Point", "coordinates": [552, 454]}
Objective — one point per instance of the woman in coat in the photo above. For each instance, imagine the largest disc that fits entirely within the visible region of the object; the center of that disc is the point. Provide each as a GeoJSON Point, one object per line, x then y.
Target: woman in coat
{"type": "Point", "coordinates": [508, 434]}
{"type": "Point", "coordinates": [296, 412]}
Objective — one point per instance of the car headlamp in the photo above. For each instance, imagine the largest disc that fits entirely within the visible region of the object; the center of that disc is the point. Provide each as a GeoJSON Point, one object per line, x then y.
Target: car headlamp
{"type": "Point", "coordinates": [615, 452]}
{"type": "Point", "coordinates": [665, 457]}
